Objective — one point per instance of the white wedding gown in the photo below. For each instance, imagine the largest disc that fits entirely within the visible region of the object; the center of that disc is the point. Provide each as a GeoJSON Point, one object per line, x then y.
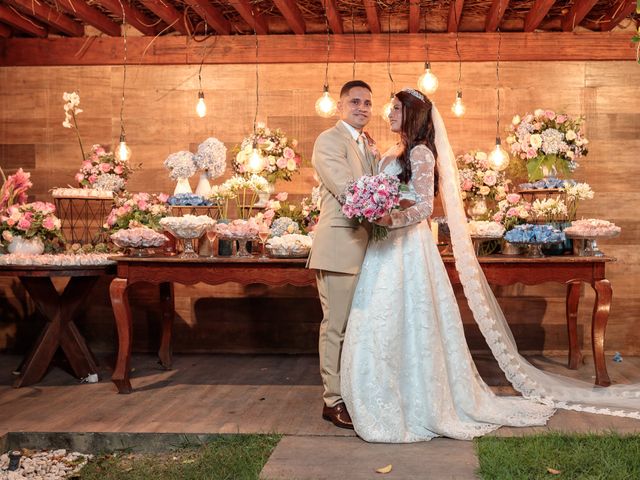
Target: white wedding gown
{"type": "Point", "coordinates": [406, 372]}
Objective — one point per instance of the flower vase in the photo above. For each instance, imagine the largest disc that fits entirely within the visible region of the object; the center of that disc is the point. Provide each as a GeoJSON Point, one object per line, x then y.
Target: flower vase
{"type": "Point", "coordinates": [225, 247]}
{"type": "Point", "coordinates": [182, 186]}
{"type": "Point", "coordinates": [263, 197]}
{"type": "Point", "coordinates": [478, 209]}
{"type": "Point", "coordinates": [26, 246]}
{"type": "Point", "coordinates": [204, 187]}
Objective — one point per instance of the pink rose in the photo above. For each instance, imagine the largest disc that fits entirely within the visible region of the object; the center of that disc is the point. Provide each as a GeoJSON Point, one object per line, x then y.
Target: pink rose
{"type": "Point", "coordinates": [288, 153]}
{"type": "Point", "coordinates": [550, 114]}
{"type": "Point", "coordinates": [86, 165]}
{"type": "Point", "coordinates": [490, 178]}
{"type": "Point", "coordinates": [513, 198]}
{"type": "Point", "coordinates": [79, 177]}
{"type": "Point", "coordinates": [531, 152]}
{"type": "Point", "coordinates": [498, 217]}
{"type": "Point", "coordinates": [118, 170]}
{"type": "Point", "coordinates": [268, 215]}
{"type": "Point", "coordinates": [142, 205]}
{"type": "Point", "coordinates": [281, 162]}
{"type": "Point", "coordinates": [93, 178]}
{"type": "Point", "coordinates": [163, 197]}
{"type": "Point", "coordinates": [105, 167]}
{"type": "Point", "coordinates": [561, 119]}
{"type": "Point", "coordinates": [512, 212]}
{"type": "Point", "coordinates": [467, 185]}
{"type": "Point", "coordinates": [24, 224]}
{"type": "Point", "coordinates": [49, 223]}
{"type": "Point", "coordinates": [282, 196]}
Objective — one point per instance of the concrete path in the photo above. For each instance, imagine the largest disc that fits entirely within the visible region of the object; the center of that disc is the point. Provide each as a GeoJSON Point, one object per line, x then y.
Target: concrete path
{"type": "Point", "coordinates": [342, 458]}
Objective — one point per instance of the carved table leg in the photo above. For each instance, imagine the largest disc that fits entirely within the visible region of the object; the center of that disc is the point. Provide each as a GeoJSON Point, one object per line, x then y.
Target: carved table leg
{"type": "Point", "coordinates": [168, 314]}
{"type": "Point", "coordinates": [122, 313]}
{"type": "Point", "coordinates": [598, 325]}
{"type": "Point", "coordinates": [59, 330]}
{"type": "Point", "coordinates": [573, 297]}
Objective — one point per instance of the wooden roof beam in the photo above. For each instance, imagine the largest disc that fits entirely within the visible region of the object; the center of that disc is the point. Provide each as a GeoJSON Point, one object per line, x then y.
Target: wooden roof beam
{"type": "Point", "coordinates": [211, 15]}
{"type": "Point", "coordinates": [455, 12]}
{"type": "Point", "coordinates": [373, 19]}
{"type": "Point", "coordinates": [292, 15]}
{"type": "Point", "coordinates": [5, 32]}
{"type": "Point", "coordinates": [169, 14]}
{"type": "Point", "coordinates": [578, 11]}
{"type": "Point", "coordinates": [133, 16]}
{"type": "Point", "coordinates": [333, 15]}
{"type": "Point", "coordinates": [618, 12]}
{"type": "Point", "coordinates": [495, 15]}
{"type": "Point", "coordinates": [537, 13]}
{"type": "Point", "coordinates": [251, 16]}
{"type": "Point", "coordinates": [91, 16]}
{"type": "Point", "coordinates": [58, 20]}
{"type": "Point", "coordinates": [11, 17]}
{"type": "Point", "coordinates": [414, 16]}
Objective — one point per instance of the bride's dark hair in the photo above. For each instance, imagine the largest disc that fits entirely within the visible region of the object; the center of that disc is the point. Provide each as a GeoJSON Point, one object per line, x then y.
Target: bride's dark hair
{"type": "Point", "coordinates": [417, 129]}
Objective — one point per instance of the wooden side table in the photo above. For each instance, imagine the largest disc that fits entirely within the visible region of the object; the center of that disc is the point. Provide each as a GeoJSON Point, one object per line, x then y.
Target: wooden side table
{"type": "Point", "coordinates": [60, 311]}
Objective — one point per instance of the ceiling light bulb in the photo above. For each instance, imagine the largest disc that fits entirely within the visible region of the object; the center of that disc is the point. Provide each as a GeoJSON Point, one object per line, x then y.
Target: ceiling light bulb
{"type": "Point", "coordinates": [458, 107]}
{"type": "Point", "coordinates": [498, 158]}
{"type": "Point", "coordinates": [201, 107]}
{"type": "Point", "coordinates": [326, 106]}
{"type": "Point", "coordinates": [123, 152]}
{"type": "Point", "coordinates": [386, 109]}
{"type": "Point", "coordinates": [256, 161]}
{"type": "Point", "coordinates": [428, 82]}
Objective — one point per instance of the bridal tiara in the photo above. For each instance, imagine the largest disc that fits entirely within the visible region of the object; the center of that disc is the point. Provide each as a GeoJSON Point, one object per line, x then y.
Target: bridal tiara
{"type": "Point", "coordinates": [415, 93]}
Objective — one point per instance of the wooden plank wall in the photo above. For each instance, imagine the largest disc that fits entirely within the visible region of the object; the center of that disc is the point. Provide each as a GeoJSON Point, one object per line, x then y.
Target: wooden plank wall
{"type": "Point", "coordinates": [160, 118]}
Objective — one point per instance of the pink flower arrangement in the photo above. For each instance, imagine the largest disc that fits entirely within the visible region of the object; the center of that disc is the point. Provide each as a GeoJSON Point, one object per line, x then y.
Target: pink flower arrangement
{"type": "Point", "coordinates": [138, 210]}
{"type": "Point", "coordinates": [478, 181]}
{"type": "Point", "coordinates": [369, 198]}
{"type": "Point", "coordinates": [279, 158]}
{"type": "Point", "coordinates": [30, 220]}
{"type": "Point", "coordinates": [548, 142]}
{"type": "Point", "coordinates": [102, 170]}
{"type": "Point", "coordinates": [14, 188]}
{"type": "Point", "coordinates": [512, 211]}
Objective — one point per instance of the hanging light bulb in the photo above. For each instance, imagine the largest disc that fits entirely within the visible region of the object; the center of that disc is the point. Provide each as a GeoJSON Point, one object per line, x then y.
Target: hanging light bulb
{"type": "Point", "coordinates": [498, 158]}
{"type": "Point", "coordinates": [201, 107]}
{"type": "Point", "coordinates": [458, 107]}
{"type": "Point", "coordinates": [326, 106]}
{"type": "Point", "coordinates": [256, 160]}
{"type": "Point", "coordinates": [386, 109]}
{"type": "Point", "coordinates": [123, 152]}
{"type": "Point", "coordinates": [428, 82]}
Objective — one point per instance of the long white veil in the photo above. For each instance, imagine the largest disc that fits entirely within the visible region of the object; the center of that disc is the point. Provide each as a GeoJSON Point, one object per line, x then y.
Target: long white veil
{"type": "Point", "coordinates": [531, 382]}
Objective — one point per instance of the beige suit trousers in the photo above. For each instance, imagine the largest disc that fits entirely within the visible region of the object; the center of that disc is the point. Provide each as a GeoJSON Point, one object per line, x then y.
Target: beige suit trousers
{"type": "Point", "coordinates": [336, 292]}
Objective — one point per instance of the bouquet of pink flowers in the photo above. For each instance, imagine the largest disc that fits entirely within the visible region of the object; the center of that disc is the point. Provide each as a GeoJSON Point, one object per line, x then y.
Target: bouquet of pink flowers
{"type": "Point", "coordinates": [369, 198]}
{"type": "Point", "coordinates": [31, 220]}
{"type": "Point", "coordinates": [138, 210]}
{"type": "Point", "coordinates": [103, 171]}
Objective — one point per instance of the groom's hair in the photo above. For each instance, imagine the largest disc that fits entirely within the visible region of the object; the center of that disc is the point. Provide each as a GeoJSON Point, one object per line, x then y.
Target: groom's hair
{"type": "Point", "coordinates": [353, 84]}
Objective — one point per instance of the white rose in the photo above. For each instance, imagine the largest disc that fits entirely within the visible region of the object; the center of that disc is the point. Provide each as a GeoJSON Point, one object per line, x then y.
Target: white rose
{"type": "Point", "coordinates": [481, 156]}
{"type": "Point", "coordinates": [536, 140]}
{"type": "Point", "coordinates": [571, 135]}
{"type": "Point", "coordinates": [516, 120]}
{"type": "Point", "coordinates": [538, 112]}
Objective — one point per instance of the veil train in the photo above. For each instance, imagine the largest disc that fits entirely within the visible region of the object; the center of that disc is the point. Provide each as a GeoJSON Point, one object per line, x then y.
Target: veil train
{"type": "Point", "coordinates": [531, 382]}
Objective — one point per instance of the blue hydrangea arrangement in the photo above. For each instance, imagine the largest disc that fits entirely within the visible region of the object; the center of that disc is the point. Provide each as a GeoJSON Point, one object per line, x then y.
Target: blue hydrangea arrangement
{"type": "Point", "coordinates": [529, 233]}
{"type": "Point", "coordinates": [188, 200]}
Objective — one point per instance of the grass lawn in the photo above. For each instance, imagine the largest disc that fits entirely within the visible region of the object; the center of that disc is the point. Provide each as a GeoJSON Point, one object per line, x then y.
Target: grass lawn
{"type": "Point", "coordinates": [611, 457]}
{"type": "Point", "coordinates": [232, 457]}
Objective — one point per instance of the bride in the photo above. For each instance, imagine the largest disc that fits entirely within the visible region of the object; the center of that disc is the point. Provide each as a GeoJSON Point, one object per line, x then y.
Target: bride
{"type": "Point", "coordinates": [406, 372]}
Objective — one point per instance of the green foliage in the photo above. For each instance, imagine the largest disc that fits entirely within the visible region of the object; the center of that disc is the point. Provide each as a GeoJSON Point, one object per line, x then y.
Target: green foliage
{"type": "Point", "coordinates": [590, 456]}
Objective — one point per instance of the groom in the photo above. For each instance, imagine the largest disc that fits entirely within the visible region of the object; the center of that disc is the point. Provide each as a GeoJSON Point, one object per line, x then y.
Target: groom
{"type": "Point", "coordinates": [340, 155]}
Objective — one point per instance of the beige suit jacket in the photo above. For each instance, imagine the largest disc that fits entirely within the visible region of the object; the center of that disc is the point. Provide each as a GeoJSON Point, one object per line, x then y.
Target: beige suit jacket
{"type": "Point", "coordinates": [339, 243]}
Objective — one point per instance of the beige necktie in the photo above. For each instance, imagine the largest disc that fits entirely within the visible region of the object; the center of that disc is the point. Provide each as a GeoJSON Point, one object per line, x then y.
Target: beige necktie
{"type": "Point", "coordinates": [360, 141]}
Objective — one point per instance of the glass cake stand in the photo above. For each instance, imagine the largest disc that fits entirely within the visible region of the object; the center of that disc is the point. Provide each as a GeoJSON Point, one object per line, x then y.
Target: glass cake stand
{"type": "Point", "coordinates": [588, 244]}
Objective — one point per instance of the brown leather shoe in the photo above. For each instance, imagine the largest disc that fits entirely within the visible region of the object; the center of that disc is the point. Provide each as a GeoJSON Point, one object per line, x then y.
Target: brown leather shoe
{"type": "Point", "coordinates": [338, 415]}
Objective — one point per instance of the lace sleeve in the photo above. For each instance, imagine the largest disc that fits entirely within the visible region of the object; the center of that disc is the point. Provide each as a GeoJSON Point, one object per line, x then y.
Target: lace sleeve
{"type": "Point", "coordinates": [422, 179]}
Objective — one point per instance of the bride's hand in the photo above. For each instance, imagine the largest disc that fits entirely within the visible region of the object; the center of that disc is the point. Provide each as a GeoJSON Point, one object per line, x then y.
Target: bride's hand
{"type": "Point", "coordinates": [384, 221]}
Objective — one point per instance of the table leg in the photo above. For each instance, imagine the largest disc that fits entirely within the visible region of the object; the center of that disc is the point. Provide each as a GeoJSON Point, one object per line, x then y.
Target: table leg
{"type": "Point", "coordinates": [168, 314]}
{"type": "Point", "coordinates": [60, 329]}
{"type": "Point", "coordinates": [122, 313]}
{"type": "Point", "coordinates": [573, 297]}
{"type": "Point", "coordinates": [598, 325]}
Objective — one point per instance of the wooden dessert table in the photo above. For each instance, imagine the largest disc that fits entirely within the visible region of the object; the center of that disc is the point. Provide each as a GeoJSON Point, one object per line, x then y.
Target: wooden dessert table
{"type": "Point", "coordinates": [499, 269]}
{"type": "Point", "coordinates": [60, 311]}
